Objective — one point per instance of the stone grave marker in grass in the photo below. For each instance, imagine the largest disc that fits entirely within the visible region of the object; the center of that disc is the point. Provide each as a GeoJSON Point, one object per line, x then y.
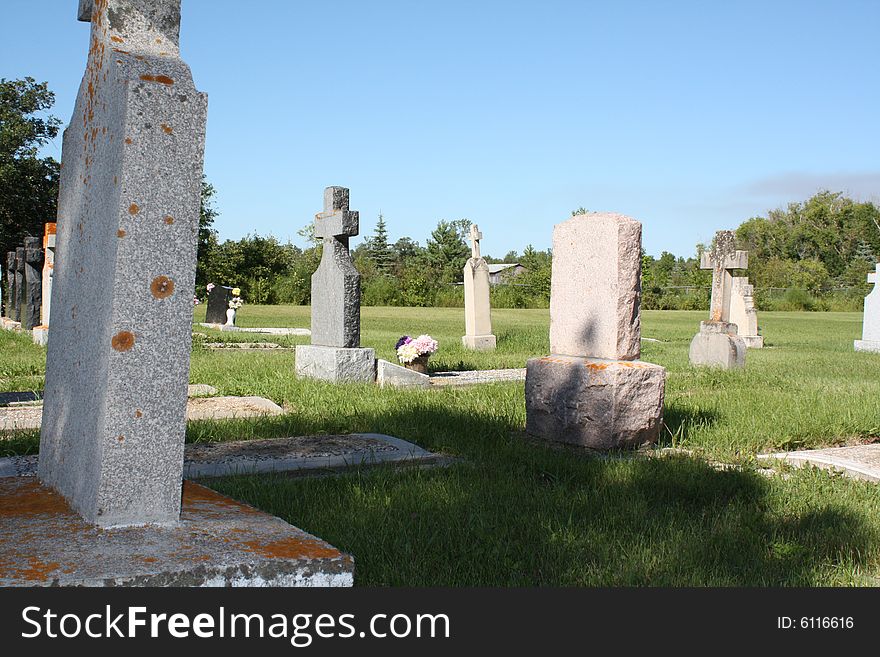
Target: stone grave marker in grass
{"type": "Point", "coordinates": [718, 343]}
{"type": "Point", "coordinates": [335, 353]}
{"type": "Point", "coordinates": [871, 321]}
{"type": "Point", "coordinates": [477, 306]}
{"type": "Point", "coordinates": [110, 489]}
{"type": "Point", "coordinates": [593, 390]}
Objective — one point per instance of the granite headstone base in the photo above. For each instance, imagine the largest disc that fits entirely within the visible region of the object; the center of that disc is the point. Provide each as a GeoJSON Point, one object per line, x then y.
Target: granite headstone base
{"type": "Point", "coordinates": [718, 345]}
{"type": "Point", "coordinates": [593, 402]}
{"type": "Point", "coordinates": [753, 341]}
{"type": "Point", "coordinates": [218, 542]}
{"type": "Point", "coordinates": [390, 374]}
{"type": "Point", "coordinates": [40, 335]}
{"type": "Point", "coordinates": [871, 346]}
{"type": "Point", "coordinates": [336, 364]}
{"type": "Point", "coordinates": [478, 342]}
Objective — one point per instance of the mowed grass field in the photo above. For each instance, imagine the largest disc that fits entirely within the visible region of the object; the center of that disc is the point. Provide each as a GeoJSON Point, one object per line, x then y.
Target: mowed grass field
{"type": "Point", "coordinates": [515, 511]}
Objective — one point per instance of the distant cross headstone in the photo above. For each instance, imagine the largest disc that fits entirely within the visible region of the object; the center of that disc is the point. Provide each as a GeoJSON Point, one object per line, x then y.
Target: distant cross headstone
{"type": "Point", "coordinates": [871, 322]}
{"type": "Point", "coordinates": [336, 290]}
{"type": "Point", "coordinates": [33, 283]}
{"type": "Point", "coordinates": [477, 300]}
{"type": "Point", "coordinates": [593, 390]}
{"type": "Point", "coordinates": [722, 259]}
{"type": "Point", "coordinates": [335, 353]}
{"type": "Point", "coordinates": [118, 356]}
{"type": "Point", "coordinates": [476, 236]}
{"type": "Point", "coordinates": [718, 343]}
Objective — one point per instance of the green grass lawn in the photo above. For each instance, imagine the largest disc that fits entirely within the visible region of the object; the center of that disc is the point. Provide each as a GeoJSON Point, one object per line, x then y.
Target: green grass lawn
{"type": "Point", "coordinates": [513, 511]}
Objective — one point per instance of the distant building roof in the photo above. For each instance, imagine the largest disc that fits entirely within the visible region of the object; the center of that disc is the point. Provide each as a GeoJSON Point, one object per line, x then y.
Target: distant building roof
{"type": "Point", "coordinates": [496, 268]}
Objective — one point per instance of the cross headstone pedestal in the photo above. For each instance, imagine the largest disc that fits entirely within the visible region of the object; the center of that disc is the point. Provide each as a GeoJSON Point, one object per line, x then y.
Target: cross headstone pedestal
{"type": "Point", "coordinates": [717, 344]}
{"type": "Point", "coordinates": [871, 322]}
{"type": "Point", "coordinates": [593, 390]}
{"type": "Point", "coordinates": [335, 353]}
{"type": "Point", "coordinates": [477, 304]}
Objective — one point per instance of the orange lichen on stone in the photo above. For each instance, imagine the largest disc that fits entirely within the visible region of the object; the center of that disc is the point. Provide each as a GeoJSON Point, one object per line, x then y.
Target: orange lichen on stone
{"type": "Point", "coordinates": [167, 129]}
{"type": "Point", "coordinates": [123, 341]}
{"type": "Point", "coordinates": [169, 220]}
{"type": "Point", "coordinates": [133, 209]}
{"type": "Point", "coordinates": [292, 548]}
{"type": "Point", "coordinates": [138, 413]}
{"type": "Point", "coordinates": [120, 233]}
{"type": "Point", "coordinates": [30, 499]}
{"type": "Point", "coordinates": [162, 287]}
{"type": "Point", "coordinates": [128, 140]}
{"type": "Point", "coordinates": [120, 439]}
{"type": "Point", "coordinates": [116, 39]}
{"type": "Point", "coordinates": [161, 79]}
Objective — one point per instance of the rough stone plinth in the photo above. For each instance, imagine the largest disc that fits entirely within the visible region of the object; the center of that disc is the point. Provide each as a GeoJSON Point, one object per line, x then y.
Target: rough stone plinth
{"type": "Point", "coordinates": [596, 403]}
{"type": "Point", "coordinates": [128, 214]}
{"type": "Point", "coordinates": [870, 341]}
{"type": "Point", "coordinates": [336, 364]}
{"type": "Point", "coordinates": [218, 542]}
{"type": "Point", "coordinates": [32, 300]}
{"type": "Point", "coordinates": [477, 305]}
{"type": "Point", "coordinates": [41, 335]}
{"type": "Point", "coordinates": [596, 287]}
{"type": "Point", "coordinates": [390, 374]}
{"type": "Point", "coordinates": [743, 312]}
{"type": "Point", "coordinates": [336, 284]}
{"type": "Point", "coordinates": [717, 345]}
{"type": "Point", "coordinates": [218, 304]}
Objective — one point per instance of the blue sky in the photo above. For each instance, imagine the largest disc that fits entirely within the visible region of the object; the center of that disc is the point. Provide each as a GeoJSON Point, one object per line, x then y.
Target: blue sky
{"type": "Point", "coordinates": [688, 116]}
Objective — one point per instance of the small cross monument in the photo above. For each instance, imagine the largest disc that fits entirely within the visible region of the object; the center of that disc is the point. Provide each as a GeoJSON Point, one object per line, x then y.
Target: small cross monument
{"type": "Point", "coordinates": [477, 306]}
{"type": "Point", "coordinates": [717, 344]}
{"type": "Point", "coordinates": [871, 324]}
{"type": "Point", "coordinates": [335, 353]}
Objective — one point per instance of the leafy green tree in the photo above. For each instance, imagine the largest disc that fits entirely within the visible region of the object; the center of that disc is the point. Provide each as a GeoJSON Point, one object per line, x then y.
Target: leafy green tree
{"type": "Point", "coordinates": [28, 183]}
{"type": "Point", "coordinates": [447, 250]}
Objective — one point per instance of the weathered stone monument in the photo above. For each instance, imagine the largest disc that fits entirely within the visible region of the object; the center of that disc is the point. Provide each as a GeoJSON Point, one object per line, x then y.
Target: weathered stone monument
{"type": "Point", "coordinates": [218, 303]}
{"type": "Point", "coordinates": [41, 332]}
{"type": "Point", "coordinates": [477, 308]}
{"type": "Point", "coordinates": [743, 312]}
{"type": "Point", "coordinates": [718, 344]}
{"type": "Point", "coordinates": [111, 507]}
{"type": "Point", "coordinates": [9, 282]}
{"type": "Point", "coordinates": [32, 299]}
{"type": "Point", "coordinates": [335, 353]}
{"type": "Point", "coordinates": [593, 390]}
{"type": "Point", "coordinates": [871, 321]}
{"type": "Point", "coordinates": [20, 283]}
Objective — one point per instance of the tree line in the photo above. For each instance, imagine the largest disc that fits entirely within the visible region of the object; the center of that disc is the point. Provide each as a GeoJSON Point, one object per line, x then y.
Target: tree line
{"type": "Point", "coordinates": [813, 254]}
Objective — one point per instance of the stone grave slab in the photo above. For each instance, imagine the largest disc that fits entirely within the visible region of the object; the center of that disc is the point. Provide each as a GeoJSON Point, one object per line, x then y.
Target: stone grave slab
{"type": "Point", "coordinates": [267, 330]}
{"type": "Point", "coordinates": [300, 453]}
{"type": "Point", "coordinates": [245, 346]}
{"type": "Point", "coordinates": [30, 397]}
{"type": "Point", "coordinates": [477, 377]}
{"type": "Point", "coordinates": [858, 461]}
{"type": "Point", "coordinates": [218, 542]}
{"type": "Point", "coordinates": [22, 418]}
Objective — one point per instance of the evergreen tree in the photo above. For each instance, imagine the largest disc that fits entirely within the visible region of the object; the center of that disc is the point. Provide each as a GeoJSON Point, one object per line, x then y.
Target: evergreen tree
{"type": "Point", "coordinates": [380, 251]}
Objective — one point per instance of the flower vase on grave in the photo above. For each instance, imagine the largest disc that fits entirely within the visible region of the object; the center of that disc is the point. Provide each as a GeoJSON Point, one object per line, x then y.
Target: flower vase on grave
{"type": "Point", "coordinates": [230, 316]}
{"type": "Point", "coordinates": [420, 364]}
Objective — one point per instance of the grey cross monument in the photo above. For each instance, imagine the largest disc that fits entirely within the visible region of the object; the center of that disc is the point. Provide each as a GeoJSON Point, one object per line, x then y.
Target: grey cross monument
{"type": "Point", "coordinates": [335, 353]}
{"type": "Point", "coordinates": [477, 307]}
{"type": "Point", "coordinates": [717, 344]}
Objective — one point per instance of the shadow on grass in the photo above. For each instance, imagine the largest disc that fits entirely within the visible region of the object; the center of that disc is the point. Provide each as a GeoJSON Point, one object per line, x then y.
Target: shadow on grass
{"type": "Point", "coordinates": [515, 513]}
{"type": "Point", "coordinates": [679, 422]}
